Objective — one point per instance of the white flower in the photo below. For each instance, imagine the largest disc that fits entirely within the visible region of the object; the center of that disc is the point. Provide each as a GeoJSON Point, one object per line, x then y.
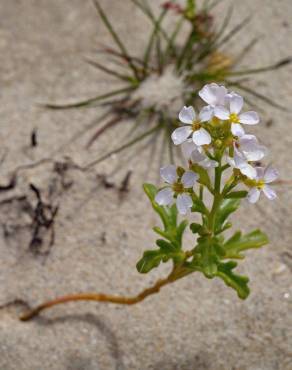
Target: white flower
{"type": "Point", "coordinates": [196, 154]}
{"type": "Point", "coordinates": [250, 148]}
{"type": "Point", "coordinates": [264, 177]}
{"type": "Point", "coordinates": [200, 136]}
{"type": "Point", "coordinates": [214, 95]}
{"type": "Point", "coordinates": [246, 149]}
{"type": "Point", "coordinates": [232, 114]}
{"type": "Point", "coordinates": [176, 191]}
{"type": "Point", "coordinates": [239, 161]}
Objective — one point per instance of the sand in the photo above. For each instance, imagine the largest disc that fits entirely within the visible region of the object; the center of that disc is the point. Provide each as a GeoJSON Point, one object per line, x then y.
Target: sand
{"type": "Point", "coordinates": [100, 234]}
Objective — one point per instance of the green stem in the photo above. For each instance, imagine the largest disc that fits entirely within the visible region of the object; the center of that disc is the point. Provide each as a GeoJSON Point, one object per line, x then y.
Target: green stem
{"type": "Point", "coordinates": [217, 197]}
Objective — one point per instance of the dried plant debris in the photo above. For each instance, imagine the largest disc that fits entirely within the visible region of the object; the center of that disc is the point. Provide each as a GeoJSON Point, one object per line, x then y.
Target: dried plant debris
{"type": "Point", "coordinates": [122, 189]}
{"type": "Point", "coordinates": [42, 223]}
{"type": "Point", "coordinates": [168, 73]}
{"type": "Point", "coordinates": [29, 213]}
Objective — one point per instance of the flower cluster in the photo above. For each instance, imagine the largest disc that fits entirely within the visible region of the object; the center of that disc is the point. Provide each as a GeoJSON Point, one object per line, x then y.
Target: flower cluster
{"type": "Point", "coordinates": [215, 137]}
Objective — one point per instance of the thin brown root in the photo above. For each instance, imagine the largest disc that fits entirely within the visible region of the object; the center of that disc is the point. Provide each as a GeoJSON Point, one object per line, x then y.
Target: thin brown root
{"type": "Point", "coordinates": [99, 298]}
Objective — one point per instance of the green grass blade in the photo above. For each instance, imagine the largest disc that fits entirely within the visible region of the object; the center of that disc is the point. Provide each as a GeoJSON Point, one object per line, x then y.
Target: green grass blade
{"type": "Point", "coordinates": [123, 147]}
{"type": "Point", "coordinates": [210, 46]}
{"type": "Point", "coordinates": [272, 67]}
{"type": "Point", "coordinates": [148, 12]}
{"type": "Point", "coordinates": [245, 51]}
{"type": "Point", "coordinates": [234, 31]}
{"type": "Point", "coordinates": [87, 102]}
{"type": "Point", "coordinates": [115, 37]}
{"type": "Point", "coordinates": [109, 71]}
{"type": "Point", "coordinates": [258, 95]}
{"type": "Point", "coordinates": [171, 43]}
{"type": "Point", "coordinates": [109, 124]}
{"type": "Point", "coordinates": [153, 35]}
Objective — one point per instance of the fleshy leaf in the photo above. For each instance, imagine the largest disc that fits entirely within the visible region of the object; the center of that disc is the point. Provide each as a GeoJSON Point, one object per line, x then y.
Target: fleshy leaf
{"type": "Point", "coordinates": [150, 260]}
{"type": "Point", "coordinates": [227, 207]}
{"type": "Point", "coordinates": [238, 243]}
{"type": "Point", "coordinates": [204, 177]}
{"type": "Point", "coordinates": [195, 228]}
{"type": "Point", "coordinates": [153, 258]}
{"type": "Point", "coordinates": [173, 233]}
{"type": "Point", "coordinates": [237, 282]}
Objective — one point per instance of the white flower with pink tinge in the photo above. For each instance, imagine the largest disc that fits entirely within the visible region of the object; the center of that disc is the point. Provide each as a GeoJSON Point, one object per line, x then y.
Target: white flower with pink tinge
{"type": "Point", "coordinates": [263, 178]}
{"type": "Point", "coordinates": [246, 149]}
{"type": "Point", "coordinates": [233, 114]}
{"type": "Point", "coordinates": [177, 189]}
{"type": "Point", "coordinates": [196, 154]}
{"type": "Point", "coordinates": [214, 95]}
{"type": "Point", "coordinates": [200, 136]}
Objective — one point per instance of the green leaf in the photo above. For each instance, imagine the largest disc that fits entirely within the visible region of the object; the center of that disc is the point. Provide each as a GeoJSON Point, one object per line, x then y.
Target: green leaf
{"type": "Point", "coordinates": [153, 258]}
{"type": "Point", "coordinates": [236, 194]}
{"type": "Point", "coordinates": [206, 256]}
{"type": "Point", "coordinates": [238, 243]}
{"type": "Point", "coordinates": [204, 177]}
{"type": "Point", "coordinates": [195, 228]}
{"type": "Point", "coordinates": [173, 232]}
{"type": "Point", "coordinates": [237, 282]}
{"type": "Point", "coordinates": [150, 260]}
{"type": "Point", "coordinates": [151, 191]}
{"type": "Point", "coordinates": [227, 207]}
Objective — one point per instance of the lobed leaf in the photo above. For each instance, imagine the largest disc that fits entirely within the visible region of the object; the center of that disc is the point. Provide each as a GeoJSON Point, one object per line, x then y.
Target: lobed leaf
{"type": "Point", "coordinates": [227, 207]}
{"type": "Point", "coordinates": [238, 243]}
{"type": "Point", "coordinates": [237, 282]}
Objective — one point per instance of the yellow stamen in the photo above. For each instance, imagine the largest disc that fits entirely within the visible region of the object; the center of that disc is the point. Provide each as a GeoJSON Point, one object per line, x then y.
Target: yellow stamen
{"type": "Point", "coordinates": [215, 121]}
{"type": "Point", "coordinates": [260, 184]}
{"type": "Point", "coordinates": [196, 125]}
{"type": "Point", "coordinates": [234, 118]}
{"type": "Point", "coordinates": [178, 187]}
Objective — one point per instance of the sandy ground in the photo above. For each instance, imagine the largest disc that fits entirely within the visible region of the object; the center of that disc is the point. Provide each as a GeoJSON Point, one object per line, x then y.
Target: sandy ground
{"type": "Point", "coordinates": [195, 324]}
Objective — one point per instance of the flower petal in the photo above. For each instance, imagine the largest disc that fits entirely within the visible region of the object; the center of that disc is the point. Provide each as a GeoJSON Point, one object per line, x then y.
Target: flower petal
{"type": "Point", "coordinates": [189, 178]}
{"type": "Point", "coordinates": [237, 129]}
{"type": "Point", "coordinates": [183, 203]}
{"type": "Point", "coordinates": [164, 197]}
{"type": "Point", "coordinates": [260, 173]}
{"type": "Point", "coordinates": [187, 148]}
{"type": "Point", "coordinates": [208, 93]}
{"type": "Point", "coordinates": [249, 118]}
{"type": "Point", "coordinates": [213, 94]}
{"type": "Point", "coordinates": [187, 115]}
{"type": "Point", "coordinates": [208, 163]}
{"type": "Point", "coordinates": [230, 161]}
{"type": "Point", "coordinates": [269, 192]}
{"type": "Point", "coordinates": [222, 113]}
{"type": "Point", "coordinates": [201, 137]}
{"type": "Point", "coordinates": [197, 156]}
{"type": "Point", "coordinates": [236, 103]}
{"type": "Point", "coordinates": [248, 170]}
{"type": "Point", "coordinates": [253, 195]}
{"type": "Point", "coordinates": [270, 175]}
{"type": "Point", "coordinates": [244, 167]}
{"type": "Point", "coordinates": [249, 146]}
{"type": "Point", "coordinates": [181, 134]}
{"type": "Point", "coordinates": [255, 154]}
{"type": "Point", "coordinates": [168, 173]}
{"type": "Point", "coordinates": [206, 113]}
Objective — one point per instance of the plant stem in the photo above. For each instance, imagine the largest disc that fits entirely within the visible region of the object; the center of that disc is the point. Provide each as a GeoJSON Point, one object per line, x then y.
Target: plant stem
{"type": "Point", "coordinates": [217, 197]}
{"type": "Point", "coordinates": [176, 273]}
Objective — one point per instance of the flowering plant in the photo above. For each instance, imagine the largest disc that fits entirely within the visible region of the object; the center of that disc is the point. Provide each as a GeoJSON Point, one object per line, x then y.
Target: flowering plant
{"type": "Point", "coordinates": [214, 140]}
{"type": "Point", "coordinates": [173, 67]}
